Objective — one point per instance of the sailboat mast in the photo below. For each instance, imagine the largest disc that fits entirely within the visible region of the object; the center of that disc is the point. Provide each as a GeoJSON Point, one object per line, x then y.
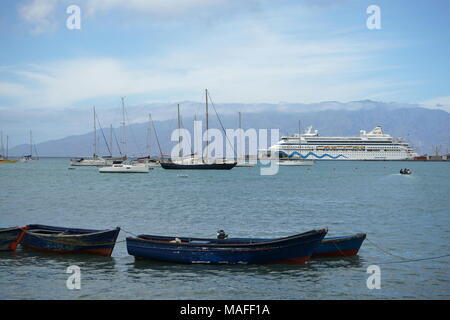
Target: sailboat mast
{"type": "Point", "coordinates": [156, 136]}
{"type": "Point", "coordinates": [240, 136]}
{"type": "Point", "coordinates": [95, 137]}
{"type": "Point", "coordinates": [7, 144]}
{"type": "Point", "coordinates": [31, 144]}
{"type": "Point", "coordinates": [179, 132]}
{"type": "Point", "coordinates": [207, 125]}
{"type": "Point", "coordinates": [2, 147]}
{"type": "Point", "coordinates": [110, 139]}
{"type": "Point", "coordinates": [123, 126]}
{"type": "Point", "coordinates": [148, 135]}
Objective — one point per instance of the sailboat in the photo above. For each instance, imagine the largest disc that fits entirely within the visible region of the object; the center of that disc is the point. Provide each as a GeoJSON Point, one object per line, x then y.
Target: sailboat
{"type": "Point", "coordinates": [193, 162]}
{"type": "Point", "coordinates": [95, 160]}
{"type": "Point", "coordinates": [241, 161]}
{"type": "Point", "coordinates": [4, 156]}
{"type": "Point", "coordinates": [29, 157]}
{"type": "Point", "coordinates": [147, 160]}
{"type": "Point", "coordinates": [109, 158]}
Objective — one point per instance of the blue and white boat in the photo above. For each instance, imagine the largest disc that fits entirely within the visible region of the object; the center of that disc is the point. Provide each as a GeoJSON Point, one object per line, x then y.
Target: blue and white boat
{"type": "Point", "coordinates": [372, 145]}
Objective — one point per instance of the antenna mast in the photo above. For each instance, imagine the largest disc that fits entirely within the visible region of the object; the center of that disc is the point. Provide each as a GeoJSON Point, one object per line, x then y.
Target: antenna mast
{"type": "Point", "coordinates": [124, 135]}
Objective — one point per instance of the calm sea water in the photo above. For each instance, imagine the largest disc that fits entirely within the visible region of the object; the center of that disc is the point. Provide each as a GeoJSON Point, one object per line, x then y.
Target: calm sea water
{"type": "Point", "coordinates": [406, 215]}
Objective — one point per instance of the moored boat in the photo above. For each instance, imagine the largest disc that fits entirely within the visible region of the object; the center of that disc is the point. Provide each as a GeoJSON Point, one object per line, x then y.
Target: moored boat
{"type": "Point", "coordinates": [70, 240]}
{"type": "Point", "coordinates": [4, 156]}
{"type": "Point", "coordinates": [344, 246]}
{"type": "Point", "coordinates": [296, 162]}
{"type": "Point", "coordinates": [197, 166]}
{"type": "Point", "coordinates": [10, 238]}
{"type": "Point", "coordinates": [124, 168]}
{"type": "Point", "coordinates": [296, 249]}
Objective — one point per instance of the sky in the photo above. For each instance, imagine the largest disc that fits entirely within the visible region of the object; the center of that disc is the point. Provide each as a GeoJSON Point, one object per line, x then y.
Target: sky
{"type": "Point", "coordinates": [243, 51]}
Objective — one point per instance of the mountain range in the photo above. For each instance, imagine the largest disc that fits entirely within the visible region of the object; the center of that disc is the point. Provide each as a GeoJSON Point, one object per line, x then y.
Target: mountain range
{"type": "Point", "coordinates": [428, 130]}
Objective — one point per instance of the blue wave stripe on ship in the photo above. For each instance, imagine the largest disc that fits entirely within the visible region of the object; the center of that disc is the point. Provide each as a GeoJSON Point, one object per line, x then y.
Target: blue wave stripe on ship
{"type": "Point", "coordinates": [311, 154]}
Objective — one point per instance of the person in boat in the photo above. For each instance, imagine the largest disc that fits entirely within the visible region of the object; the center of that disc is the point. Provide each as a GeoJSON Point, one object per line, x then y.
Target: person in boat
{"type": "Point", "coordinates": [221, 235]}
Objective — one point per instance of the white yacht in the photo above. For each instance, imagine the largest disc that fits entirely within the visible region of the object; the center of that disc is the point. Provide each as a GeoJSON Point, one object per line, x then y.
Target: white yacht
{"type": "Point", "coordinates": [124, 168]}
{"type": "Point", "coordinates": [372, 145]}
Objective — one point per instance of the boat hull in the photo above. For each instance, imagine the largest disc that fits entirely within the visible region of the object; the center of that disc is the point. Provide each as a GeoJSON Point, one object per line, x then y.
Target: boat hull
{"type": "Point", "coordinates": [340, 246]}
{"type": "Point", "coordinates": [10, 238]}
{"type": "Point", "coordinates": [296, 163]}
{"type": "Point", "coordinates": [8, 161]}
{"type": "Point", "coordinates": [70, 240]}
{"type": "Point", "coordinates": [290, 250]}
{"type": "Point", "coordinates": [125, 169]}
{"type": "Point", "coordinates": [200, 166]}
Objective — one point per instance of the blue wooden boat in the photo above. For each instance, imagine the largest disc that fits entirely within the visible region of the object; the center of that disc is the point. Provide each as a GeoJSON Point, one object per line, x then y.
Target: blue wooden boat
{"type": "Point", "coordinates": [70, 240]}
{"type": "Point", "coordinates": [294, 249]}
{"type": "Point", "coordinates": [345, 246]}
{"type": "Point", "coordinates": [10, 238]}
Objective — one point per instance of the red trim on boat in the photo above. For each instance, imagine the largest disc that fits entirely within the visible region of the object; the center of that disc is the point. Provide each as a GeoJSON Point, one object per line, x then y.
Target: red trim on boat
{"type": "Point", "coordinates": [301, 260]}
{"type": "Point", "coordinates": [98, 251]}
{"type": "Point", "coordinates": [343, 253]}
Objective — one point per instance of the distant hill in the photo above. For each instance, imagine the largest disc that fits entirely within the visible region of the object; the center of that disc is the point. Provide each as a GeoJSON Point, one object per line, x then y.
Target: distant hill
{"type": "Point", "coordinates": [423, 128]}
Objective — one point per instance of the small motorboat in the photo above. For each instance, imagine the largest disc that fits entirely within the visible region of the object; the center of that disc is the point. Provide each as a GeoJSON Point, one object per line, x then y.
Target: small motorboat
{"type": "Point", "coordinates": [10, 238]}
{"type": "Point", "coordinates": [405, 171]}
{"type": "Point", "coordinates": [296, 162]}
{"type": "Point", "coordinates": [70, 240]}
{"type": "Point", "coordinates": [344, 246]}
{"type": "Point", "coordinates": [125, 168]}
{"type": "Point", "coordinates": [296, 249]}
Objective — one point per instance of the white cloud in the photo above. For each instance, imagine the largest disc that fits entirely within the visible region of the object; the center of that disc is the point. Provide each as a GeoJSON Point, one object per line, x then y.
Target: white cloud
{"type": "Point", "coordinates": [44, 15]}
{"type": "Point", "coordinates": [264, 58]}
{"type": "Point", "coordinates": [256, 64]}
{"type": "Point", "coordinates": [39, 14]}
{"type": "Point", "coordinates": [159, 7]}
{"type": "Point", "coordinates": [442, 103]}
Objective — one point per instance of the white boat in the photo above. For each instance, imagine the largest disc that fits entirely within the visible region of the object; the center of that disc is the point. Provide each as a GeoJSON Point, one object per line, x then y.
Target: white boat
{"type": "Point", "coordinates": [372, 145]}
{"type": "Point", "coordinates": [296, 162]}
{"type": "Point", "coordinates": [95, 160]}
{"type": "Point", "coordinates": [146, 161]}
{"type": "Point", "coordinates": [124, 168]}
{"type": "Point", "coordinates": [92, 162]}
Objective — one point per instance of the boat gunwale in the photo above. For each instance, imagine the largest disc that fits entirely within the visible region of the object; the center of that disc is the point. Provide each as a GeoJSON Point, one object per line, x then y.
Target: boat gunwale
{"type": "Point", "coordinates": [10, 229]}
{"type": "Point", "coordinates": [224, 244]}
{"type": "Point", "coordinates": [88, 233]}
{"type": "Point", "coordinates": [344, 238]}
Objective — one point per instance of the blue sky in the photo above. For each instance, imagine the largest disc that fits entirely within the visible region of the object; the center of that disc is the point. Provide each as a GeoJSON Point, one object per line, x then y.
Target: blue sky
{"type": "Point", "coordinates": [243, 51]}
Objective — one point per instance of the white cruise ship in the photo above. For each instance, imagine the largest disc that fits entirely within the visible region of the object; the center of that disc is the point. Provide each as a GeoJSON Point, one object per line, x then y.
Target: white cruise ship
{"type": "Point", "coordinates": [372, 145]}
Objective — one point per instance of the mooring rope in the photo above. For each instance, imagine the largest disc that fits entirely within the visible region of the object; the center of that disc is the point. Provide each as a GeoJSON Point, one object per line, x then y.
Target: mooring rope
{"type": "Point", "coordinates": [404, 260]}
{"type": "Point", "coordinates": [129, 232]}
